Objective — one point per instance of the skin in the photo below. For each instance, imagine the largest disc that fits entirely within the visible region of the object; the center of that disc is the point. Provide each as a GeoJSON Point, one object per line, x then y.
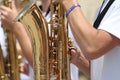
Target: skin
{"type": "Point", "coordinates": [93, 43]}
{"type": "Point", "coordinates": [17, 28]}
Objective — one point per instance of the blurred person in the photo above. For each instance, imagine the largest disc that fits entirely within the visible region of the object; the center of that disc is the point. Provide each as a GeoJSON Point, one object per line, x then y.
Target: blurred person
{"type": "Point", "coordinates": [23, 64]}
{"type": "Point", "coordinates": [23, 70]}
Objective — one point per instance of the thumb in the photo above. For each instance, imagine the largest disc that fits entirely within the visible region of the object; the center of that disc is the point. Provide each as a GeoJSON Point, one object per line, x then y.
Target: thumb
{"type": "Point", "coordinates": [73, 51]}
{"type": "Point", "coordinates": [13, 6]}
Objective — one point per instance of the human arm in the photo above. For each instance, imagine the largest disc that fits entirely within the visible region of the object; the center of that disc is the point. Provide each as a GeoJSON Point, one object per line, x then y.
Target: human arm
{"type": "Point", "coordinates": [7, 16]}
{"type": "Point", "coordinates": [93, 43]}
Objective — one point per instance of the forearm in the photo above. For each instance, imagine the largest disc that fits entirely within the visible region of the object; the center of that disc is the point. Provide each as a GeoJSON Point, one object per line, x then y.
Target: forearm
{"type": "Point", "coordinates": [84, 33]}
{"type": "Point", "coordinates": [7, 17]}
{"type": "Point", "coordinates": [80, 25]}
{"type": "Point", "coordinates": [93, 43]}
{"type": "Point", "coordinates": [24, 41]}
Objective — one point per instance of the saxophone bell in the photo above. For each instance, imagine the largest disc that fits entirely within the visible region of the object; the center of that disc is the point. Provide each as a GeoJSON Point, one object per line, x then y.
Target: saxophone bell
{"type": "Point", "coordinates": [51, 61]}
{"type": "Point", "coordinates": [36, 26]}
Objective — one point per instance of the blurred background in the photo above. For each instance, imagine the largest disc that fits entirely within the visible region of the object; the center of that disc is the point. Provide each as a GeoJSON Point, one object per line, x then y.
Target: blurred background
{"type": "Point", "coordinates": [89, 8]}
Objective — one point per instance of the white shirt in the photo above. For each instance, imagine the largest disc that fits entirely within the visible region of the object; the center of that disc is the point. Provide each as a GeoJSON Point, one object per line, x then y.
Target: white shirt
{"type": "Point", "coordinates": [2, 41]}
{"type": "Point", "coordinates": [107, 67]}
{"type": "Point", "coordinates": [73, 69]}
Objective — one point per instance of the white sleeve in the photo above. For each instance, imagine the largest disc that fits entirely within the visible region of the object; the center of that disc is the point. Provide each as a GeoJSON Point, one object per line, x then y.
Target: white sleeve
{"type": "Point", "coordinates": [111, 23]}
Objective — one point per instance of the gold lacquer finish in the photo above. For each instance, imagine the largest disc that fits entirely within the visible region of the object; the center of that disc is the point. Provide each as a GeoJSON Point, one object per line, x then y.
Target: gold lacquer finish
{"type": "Point", "coordinates": [58, 56]}
{"type": "Point", "coordinates": [2, 69]}
{"type": "Point", "coordinates": [50, 51]}
{"type": "Point", "coordinates": [36, 26]}
{"type": "Point", "coordinates": [9, 65]}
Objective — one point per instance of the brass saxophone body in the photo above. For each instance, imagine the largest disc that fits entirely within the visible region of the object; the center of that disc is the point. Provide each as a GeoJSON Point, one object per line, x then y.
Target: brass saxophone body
{"type": "Point", "coordinates": [2, 65]}
{"type": "Point", "coordinates": [50, 51]}
{"type": "Point", "coordinates": [36, 26]}
{"type": "Point", "coordinates": [59, 58]}
{"type": "Point", "coordinates": [10, 63]}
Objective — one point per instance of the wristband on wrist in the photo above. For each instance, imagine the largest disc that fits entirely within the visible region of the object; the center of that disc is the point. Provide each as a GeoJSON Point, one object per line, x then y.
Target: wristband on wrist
{"type": "Point", "coordinates": [71, 8]}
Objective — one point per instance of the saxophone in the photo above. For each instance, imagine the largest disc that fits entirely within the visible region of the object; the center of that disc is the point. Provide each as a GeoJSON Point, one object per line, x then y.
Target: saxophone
{"type": "Point", "coordinates": [9, 65]}
{"type": "Point", "coordinates": [59, 58]}
{"type": "Point", "coordinates": [50, 47]}
{"type": "Point", "coordinates": [36, 26]}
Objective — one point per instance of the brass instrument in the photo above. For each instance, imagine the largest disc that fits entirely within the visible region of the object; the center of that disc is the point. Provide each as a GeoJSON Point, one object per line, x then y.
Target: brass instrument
{"type": "Point", "coordinates": [36, 27]}
{"type": "Point", "coordinates": [2, 69]}
{"type": "Point", "coordinates": [50, 51]}
{"type": "Point", "coordinates": [58, 56]}
{"type": "Point", "coordinates": [10, 64]}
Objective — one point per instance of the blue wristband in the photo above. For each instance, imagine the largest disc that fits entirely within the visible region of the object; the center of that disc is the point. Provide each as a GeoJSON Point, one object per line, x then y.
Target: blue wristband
{"type": "Point", "coordinates": [71, 8]}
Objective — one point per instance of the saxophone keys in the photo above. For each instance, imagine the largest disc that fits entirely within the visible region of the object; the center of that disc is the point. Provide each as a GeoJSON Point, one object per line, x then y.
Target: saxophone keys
{"type": "Point", "coordinates": [8, 65]}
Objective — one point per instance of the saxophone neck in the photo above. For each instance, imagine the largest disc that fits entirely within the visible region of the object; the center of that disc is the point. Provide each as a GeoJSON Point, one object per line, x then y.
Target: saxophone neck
{"type": "Point", "coordinates": [29, 3]}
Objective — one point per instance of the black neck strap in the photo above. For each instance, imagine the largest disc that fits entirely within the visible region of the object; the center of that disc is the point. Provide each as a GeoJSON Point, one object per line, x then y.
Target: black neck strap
{"type": "Point", "coordinates": [102, 14]}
